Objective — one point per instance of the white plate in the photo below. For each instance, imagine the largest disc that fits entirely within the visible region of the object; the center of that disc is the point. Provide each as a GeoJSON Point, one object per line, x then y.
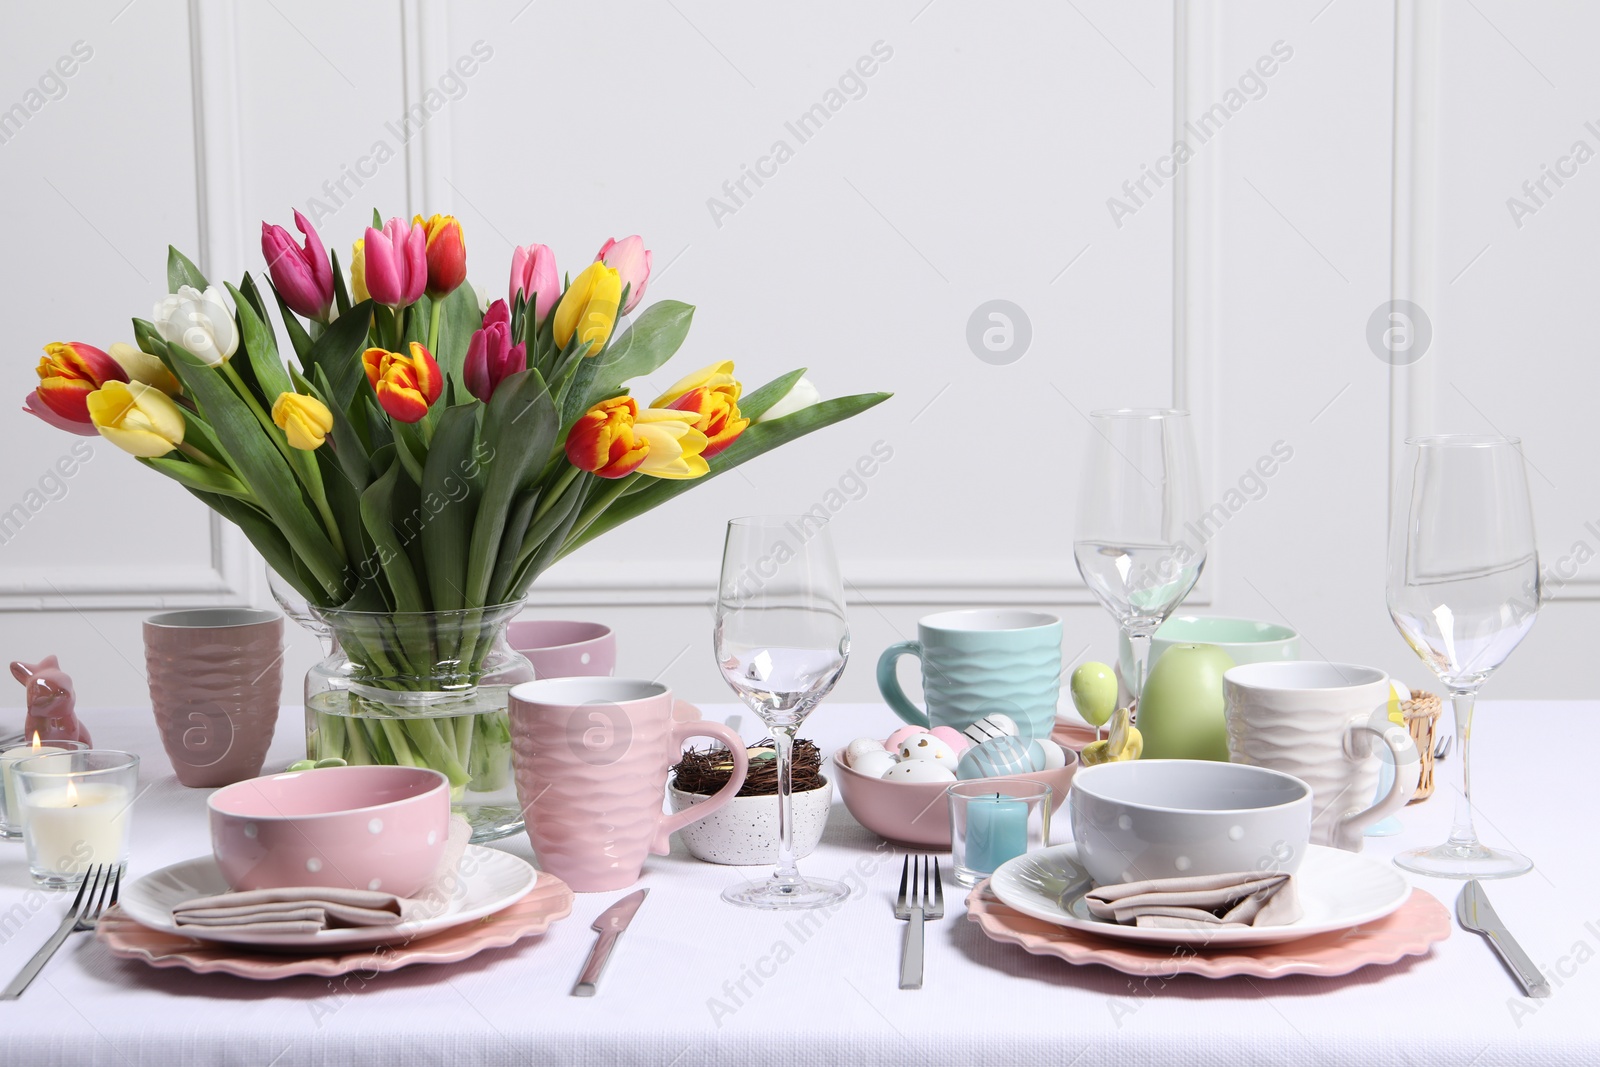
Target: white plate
{"type": "Point", "coordinates": [490, 880]}
{"type": "Point", "coordinates": [1337, 890]}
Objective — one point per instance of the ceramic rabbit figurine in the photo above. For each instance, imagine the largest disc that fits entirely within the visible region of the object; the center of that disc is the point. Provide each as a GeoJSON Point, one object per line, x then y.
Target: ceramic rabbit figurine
{"type": "Point", "coordinates": [50, 702]}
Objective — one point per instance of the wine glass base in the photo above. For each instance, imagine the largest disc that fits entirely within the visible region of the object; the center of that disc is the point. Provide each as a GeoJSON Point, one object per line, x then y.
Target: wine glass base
{"type": "Point", "coordinates": [1464, 861]}
{"type": "Point", "coordinates": [787, 894]}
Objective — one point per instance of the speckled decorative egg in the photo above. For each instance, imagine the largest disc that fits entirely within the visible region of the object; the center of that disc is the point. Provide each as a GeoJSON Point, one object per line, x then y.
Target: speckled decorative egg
{"type": "Point", "coordinates": [991, 726]}
{"type": "Point", "coordinates": [874, 764]}
{"type": "Point", "coordinates": [893, 743]}
{"type": "Point", "coordinates": [928, 747]}
{"type": "Point", "coordinates": [1047, 755]}
{"type": "Point", "coordinates": [996, 756]}
{"type": "Point", "coordinates": [952, 737]}
{"type": "Point", "coordinates": [918, 770]}
{"type": "Point", "coordinates": [860, 746]}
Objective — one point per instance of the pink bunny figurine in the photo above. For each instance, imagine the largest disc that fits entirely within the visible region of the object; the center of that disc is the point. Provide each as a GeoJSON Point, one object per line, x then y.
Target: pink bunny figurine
{"type": "Point", "coordinates": [50, 702]}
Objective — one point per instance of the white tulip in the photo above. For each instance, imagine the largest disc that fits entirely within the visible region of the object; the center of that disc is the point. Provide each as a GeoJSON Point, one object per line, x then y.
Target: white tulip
{"type": "Point", "coordinates": [201, 323]}
{"type": "Point", "coordinates": [802, 395]}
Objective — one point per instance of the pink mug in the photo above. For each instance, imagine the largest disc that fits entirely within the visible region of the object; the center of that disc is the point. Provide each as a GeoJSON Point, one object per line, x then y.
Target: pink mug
{"type": "Point", "coordinates": [565, 648]}
{"type": "Point", "coordinates": [591, 757]}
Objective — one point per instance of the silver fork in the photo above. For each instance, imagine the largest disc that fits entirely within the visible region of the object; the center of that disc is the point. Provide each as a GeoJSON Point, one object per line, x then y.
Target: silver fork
{"type": "Point", "coordinates": [921, 897]}
{"type": "Point", "coordinates": [99, 882]}
{"type": "Point", "coordinates": [1441, 747]}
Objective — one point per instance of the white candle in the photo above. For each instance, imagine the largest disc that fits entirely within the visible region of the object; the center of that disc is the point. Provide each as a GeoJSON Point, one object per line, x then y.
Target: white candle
{"type": "Point", "coordinates": [76, 825]}
{"type": "Point", "coordinates": [13, 810]}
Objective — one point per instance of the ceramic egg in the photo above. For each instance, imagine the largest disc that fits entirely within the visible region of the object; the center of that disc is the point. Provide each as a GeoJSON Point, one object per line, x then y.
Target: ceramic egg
{"type": "Point", "coordinates": [952, 737]}
{"type": "Point", "coordinates": [901, 734]}
{"type": "Point", "coordinates": [991, 726]}
{"type": "Point", "coordinates": [918, 770]}
{"type": "Point", "coordinates": [996, 756]}
{"type": "Point", "coordinates": [928, 747]}
{"type": "Point", "coordinates": [1047, 755]}
{"type": "Point", "coordinates": [860, 747]}
{"type": "Point", "coordinates": [874, 764]}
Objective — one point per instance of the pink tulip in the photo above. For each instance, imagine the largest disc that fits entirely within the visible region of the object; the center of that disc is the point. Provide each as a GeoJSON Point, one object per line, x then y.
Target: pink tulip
{"type": "Point", "coordinates": [491, 357]}
{"type": "Point", "coordinates": [534, 275]}
{"type": "Point", "coordinates": [396, 261]}
{"type": "Point", "coordinates": [301, 274]}
{"type": "Point", "coordinates": [631, 260]}
{"type": "Point", "coordinates": [33, 405]}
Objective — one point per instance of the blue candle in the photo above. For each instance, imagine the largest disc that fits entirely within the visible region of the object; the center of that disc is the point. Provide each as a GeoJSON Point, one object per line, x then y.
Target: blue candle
{"type": "Point", "coordinates": [997, 830]}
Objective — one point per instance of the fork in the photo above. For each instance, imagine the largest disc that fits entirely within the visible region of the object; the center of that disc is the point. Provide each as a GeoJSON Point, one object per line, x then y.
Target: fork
{"type": "Point", "coordinates": [918, 878]}
{"type": "Point", "coordinates": [84, 913]}
{"type": "Point", "coordinates": [1441, 747]}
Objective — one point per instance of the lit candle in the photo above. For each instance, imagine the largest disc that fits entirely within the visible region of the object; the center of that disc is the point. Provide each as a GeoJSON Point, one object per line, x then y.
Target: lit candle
{"type": "Point", "coordinates": [73, 826]}
{"type": "Point", "coordinates": [997, 830]}
{"type": "Point", "coordinates": [13, 811]}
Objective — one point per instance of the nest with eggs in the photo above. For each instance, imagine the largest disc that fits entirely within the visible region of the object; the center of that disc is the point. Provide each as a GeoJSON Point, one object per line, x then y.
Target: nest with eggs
{"type": "Point", "coordinates": [706, 770]}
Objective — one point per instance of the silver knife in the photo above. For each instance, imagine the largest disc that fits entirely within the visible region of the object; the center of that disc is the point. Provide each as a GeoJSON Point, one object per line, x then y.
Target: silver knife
{"type": "Point", "coordinates": [609, 926]}
{"type": "Point", "coordinates": [1477, 914]}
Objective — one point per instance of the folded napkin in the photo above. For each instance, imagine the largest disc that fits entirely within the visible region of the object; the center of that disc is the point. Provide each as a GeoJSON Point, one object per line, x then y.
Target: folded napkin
{"type": "Point", "coordinates": [309, 909]}
{"type": "Point", "coordinates": [1216, 900]}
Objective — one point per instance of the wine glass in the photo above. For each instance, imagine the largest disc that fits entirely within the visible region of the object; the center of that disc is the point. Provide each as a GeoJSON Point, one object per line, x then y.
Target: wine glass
{"type": "Point", "coordinates": [781, 642]}
{"type": "Point", "coordinates": [1463, 590]}
{"type": "Point", "coordinates": [1137, 511]}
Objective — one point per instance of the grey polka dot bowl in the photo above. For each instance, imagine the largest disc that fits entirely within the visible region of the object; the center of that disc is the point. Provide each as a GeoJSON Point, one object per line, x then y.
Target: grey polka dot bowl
{"type": "Point", "coordinates": [381, 828]}
{"type": "Point", "coordinates": [745, 832]}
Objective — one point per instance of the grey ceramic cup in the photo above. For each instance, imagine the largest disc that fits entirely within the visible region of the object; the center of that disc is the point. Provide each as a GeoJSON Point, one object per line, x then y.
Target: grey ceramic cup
{"type": "Point", "coordinates": [216, 677]}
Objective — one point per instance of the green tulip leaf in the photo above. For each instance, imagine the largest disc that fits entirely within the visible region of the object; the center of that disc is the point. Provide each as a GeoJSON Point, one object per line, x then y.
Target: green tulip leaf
{"type": "Point", "coordinates": [181, 272]}
{"type": "Point", "coordinates": [448, 506]}
{"type": "Point", "coordinates": [298, 337]}
{"type": "Point", "coordinates": [341, 295]}
{"type": "Point", "coordinates": [197, 476]}
{"type": "Point", "coordinates": [519, 428]}
{"type": "Point", "coordinates": [255, 336]}
{"type": "Point", "coordinates": [642, 349]}
{"type": "Point", "coordinates": [338, 354]}
{"type": "Point", "coordinates": [756, 403]}
{"type": "Point", "coordinates": [377, 510]}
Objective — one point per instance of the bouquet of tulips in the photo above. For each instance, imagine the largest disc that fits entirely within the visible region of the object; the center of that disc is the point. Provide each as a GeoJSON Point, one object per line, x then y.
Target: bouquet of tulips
{"type": "Point", "coordinates": [420, 453]}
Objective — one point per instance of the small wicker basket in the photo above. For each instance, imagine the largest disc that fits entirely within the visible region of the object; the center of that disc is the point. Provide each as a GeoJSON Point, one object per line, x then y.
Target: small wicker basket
{"type": "Point", "coordinates": [1422, 720]}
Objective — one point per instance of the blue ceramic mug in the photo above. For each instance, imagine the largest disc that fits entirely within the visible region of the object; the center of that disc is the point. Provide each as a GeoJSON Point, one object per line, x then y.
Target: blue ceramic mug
{"type": "Point", "coordinates": [977, 663]}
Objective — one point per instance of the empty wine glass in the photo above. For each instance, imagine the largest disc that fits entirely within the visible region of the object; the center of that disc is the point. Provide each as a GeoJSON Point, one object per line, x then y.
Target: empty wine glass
{"type": "Point", "coordinates": [1139, 501]}
{"type": "Point", "coordinates": [1463, 590]}
{"type": "Point", "coordinates": [781, 642]}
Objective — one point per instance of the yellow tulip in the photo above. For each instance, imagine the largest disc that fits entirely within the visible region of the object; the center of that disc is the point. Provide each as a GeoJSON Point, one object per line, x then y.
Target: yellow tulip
{"type": "Point", "coordinates": [589, 307]}
{"type": "Point", "coordinates": [305, 419]}
{"type": "Point", "coordinates": [143, 367]}
{"type": "Point", "coordinates": [358, 272]}
{"type": "Point", "coordinates": [137, 418]}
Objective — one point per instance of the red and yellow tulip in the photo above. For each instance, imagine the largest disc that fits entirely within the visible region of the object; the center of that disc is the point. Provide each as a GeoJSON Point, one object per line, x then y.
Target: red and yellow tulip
{"type": "Point", "coordinates": [446, 253]}
{"type": "Point", "coordinates": [615, 438]}
{"type": "Point", "coordinates": [711, 395]}
{"type": "Point", "coordinates": [589, 307]}
{"type": "Point", "coordinates": [407, 385]}
{"type": "Point", "coordinates": [69, 372]}
{"type": "Point", "coordinates": [304, 419]}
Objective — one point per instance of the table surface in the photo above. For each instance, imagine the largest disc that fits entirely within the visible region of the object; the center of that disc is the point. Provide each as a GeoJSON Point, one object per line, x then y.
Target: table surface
{"type": "Point", "coordinates": [696, 981]}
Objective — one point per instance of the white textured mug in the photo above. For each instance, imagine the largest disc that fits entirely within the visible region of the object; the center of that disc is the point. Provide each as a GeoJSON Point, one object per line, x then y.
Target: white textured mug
{"type": "Point", "coordinates": [1320, 722]}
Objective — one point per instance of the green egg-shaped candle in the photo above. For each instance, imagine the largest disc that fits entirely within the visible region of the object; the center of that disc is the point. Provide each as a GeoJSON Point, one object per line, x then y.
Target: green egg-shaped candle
{"type": "Point", "coordinates": [1181, 710]}
{"type": "Point", "coordinates": [1094, 692]}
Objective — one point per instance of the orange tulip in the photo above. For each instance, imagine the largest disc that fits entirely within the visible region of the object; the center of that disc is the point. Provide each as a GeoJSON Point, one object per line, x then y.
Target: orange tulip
{"type": "Point", "coordinates": [68, 373]}
{"type": "Point", "coordinates": [711, 395]}
{"type": "Point", "coordinates": [615, 438]}
{"type": "Point", "coordinates": [447, 254]}
{"type": "Point", "coordinates": [406, 385]}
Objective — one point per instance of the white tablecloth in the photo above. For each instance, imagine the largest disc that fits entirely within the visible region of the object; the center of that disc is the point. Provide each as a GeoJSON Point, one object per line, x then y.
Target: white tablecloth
{"type": "Point", "coordinates": [696, 981]}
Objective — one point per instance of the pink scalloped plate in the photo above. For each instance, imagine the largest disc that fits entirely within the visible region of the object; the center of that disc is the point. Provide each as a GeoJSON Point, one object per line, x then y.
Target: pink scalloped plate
{"type": "Point", "coordinates": [1069, 733]}
{"type": "Point", "coordinates": [549, 901]}
{"type": "Point", "coordinates": [1410, 931]}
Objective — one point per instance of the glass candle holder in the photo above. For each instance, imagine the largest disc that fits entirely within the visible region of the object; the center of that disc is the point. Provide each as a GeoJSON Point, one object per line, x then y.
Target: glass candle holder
{"type": "Point", "coordinates": [76, 810]}
{"type": "Point", "coordinates": [10, 810]}
{"type": "Point", "coordinates": [994, 821]}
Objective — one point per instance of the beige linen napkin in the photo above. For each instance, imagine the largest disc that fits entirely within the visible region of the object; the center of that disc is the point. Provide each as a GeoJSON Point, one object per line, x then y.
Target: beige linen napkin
{"type": "Point", "coordinates": [309, 909]}
{"type": "Point", "coordinates": [1216, 900]}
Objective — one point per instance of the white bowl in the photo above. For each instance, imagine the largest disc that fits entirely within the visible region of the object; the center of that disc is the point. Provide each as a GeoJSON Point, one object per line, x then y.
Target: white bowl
{"type": "Point", "coordinates": [1140, 819]}
{"type": "Point", "coordinates": [745, 832]}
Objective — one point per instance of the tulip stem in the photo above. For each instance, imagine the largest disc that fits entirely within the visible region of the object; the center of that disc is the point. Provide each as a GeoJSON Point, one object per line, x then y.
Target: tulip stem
{"type": "Point", "coordinates": [318, 492]}
{"type": "Point", "coordinates": [597, 507]}
{"type": "Point", "coordinates": [553, 494]}
{"type": "Point", "coordinates": [433, 326]}
{"type": "Point", "coordinates": [200, 457]}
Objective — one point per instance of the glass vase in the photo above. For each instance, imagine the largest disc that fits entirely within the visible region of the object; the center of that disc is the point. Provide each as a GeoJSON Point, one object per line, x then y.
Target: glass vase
{"type": "Point", "coordinates": [423, 689]}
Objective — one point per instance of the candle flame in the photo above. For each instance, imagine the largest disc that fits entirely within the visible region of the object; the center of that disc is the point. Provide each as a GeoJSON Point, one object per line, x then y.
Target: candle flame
{"type": "Point", "coordinates": [72, 794]}
{"type": "Point", "coordinates": [37, 744]}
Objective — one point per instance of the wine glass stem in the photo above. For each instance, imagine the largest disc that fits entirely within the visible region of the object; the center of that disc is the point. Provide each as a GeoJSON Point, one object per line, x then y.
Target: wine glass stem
{"type": "Point", "coordinates": [786, 871]}
{"type": "Point", "coordinates": [1462, 832]}
{"type": "Point", "coordinates": [1139, 649]}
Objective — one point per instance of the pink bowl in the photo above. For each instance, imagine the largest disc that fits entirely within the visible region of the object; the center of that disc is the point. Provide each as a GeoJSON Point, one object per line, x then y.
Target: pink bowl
{"type": "Point", "coordinates": [565, 648]}
{"type": "Point", "coordinates": [353, 827]}
{"type": "Point", "coordinates": [917, 813]}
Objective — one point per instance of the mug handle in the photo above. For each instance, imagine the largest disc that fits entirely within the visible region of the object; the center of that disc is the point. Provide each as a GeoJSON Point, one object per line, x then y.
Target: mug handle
{"type": "Point", "coordinates": [681, 730]}
{"type": "Point", "coordinates": [889, 682]}
{"type": "Point", "coordinates": [1347, 832]}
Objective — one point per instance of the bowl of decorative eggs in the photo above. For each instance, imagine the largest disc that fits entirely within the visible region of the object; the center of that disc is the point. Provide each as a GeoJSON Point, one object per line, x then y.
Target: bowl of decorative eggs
{"type": "Point", "coordinates": [895, 787]}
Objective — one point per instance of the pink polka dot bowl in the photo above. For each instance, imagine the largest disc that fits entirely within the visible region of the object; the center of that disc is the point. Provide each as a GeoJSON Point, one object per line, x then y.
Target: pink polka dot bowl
{"type": "Point", "coordinates": [379, 828]}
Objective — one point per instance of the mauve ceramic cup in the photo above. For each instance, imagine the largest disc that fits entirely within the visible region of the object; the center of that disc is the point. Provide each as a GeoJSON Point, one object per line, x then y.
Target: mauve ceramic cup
{"type": "Point", "coordinates": [216, 678]}
{"type": "Point", "coordinates": [565, 648]}
{"type": "Point", "coordinates": [382, 828]}
{"type": "Point", "coordinates": [1164, 818]}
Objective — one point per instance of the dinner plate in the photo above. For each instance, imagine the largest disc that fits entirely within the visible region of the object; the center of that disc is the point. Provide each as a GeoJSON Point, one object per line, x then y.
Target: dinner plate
{"type": "Point", "coordinates": [1337, 890]}
{"type": "Point", "coordinates": [489, 881]}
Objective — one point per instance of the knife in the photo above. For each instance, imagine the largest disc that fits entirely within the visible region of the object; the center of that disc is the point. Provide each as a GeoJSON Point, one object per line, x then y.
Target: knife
{"type": "Point", "coordinates": [609, 926]}
{"type": "Point", "coordinates": [1477, 914]}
